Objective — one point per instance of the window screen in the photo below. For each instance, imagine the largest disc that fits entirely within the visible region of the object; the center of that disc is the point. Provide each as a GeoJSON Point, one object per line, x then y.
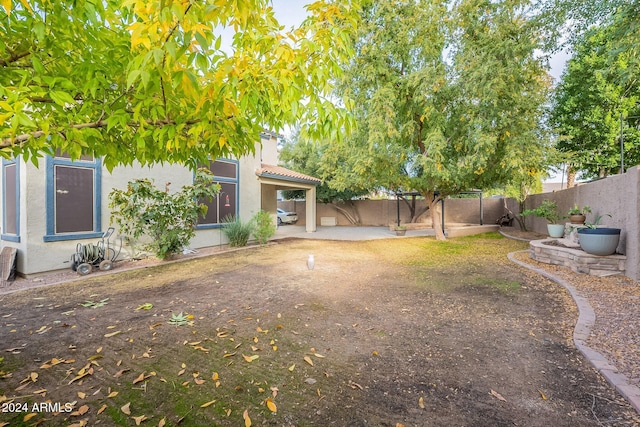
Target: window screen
{"type": "Point", "coordinates": [74, 199]}
{"type": "Point", "coordinates": [10, 213]}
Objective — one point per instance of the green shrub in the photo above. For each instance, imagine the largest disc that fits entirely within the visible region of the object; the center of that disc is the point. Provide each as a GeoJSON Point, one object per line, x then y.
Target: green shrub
{"type": "Point", "coordinates": [167, 219]}
{"type": "Point", "coordinates": [265, 226]}
{"type": "Point", "coordinates": [236, 231]}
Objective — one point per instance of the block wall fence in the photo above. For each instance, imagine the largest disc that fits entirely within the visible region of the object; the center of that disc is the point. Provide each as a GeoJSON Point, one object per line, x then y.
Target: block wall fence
{"type": "Point", "coordinates": [616, 198]}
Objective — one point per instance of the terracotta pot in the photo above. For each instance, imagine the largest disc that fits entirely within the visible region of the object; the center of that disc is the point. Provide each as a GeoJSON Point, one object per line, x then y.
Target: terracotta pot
{"type": "Point", "coordinates": [577, 219]}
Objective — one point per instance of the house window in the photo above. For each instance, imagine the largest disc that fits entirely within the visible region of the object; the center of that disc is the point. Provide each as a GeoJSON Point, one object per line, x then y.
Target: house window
{"type": "Point", "coordinates": [10, 200]}
{"type": "Point", "coordinates": [226, 202]}
{"type": "Point", "coordinates": [73, 198]}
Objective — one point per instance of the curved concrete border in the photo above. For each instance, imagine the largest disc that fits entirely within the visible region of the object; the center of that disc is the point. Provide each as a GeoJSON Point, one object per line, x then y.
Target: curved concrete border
{"type": "Point", "coordinates": [586, 320]}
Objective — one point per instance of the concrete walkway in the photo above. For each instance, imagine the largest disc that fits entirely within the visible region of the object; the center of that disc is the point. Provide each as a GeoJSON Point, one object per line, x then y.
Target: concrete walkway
{"type": "Point", "coordinates": [345, 233]}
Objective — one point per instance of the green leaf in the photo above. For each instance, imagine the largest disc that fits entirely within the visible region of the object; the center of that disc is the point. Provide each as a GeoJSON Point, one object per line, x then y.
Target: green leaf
{"type": "Point", "coordinates": [61, 98]}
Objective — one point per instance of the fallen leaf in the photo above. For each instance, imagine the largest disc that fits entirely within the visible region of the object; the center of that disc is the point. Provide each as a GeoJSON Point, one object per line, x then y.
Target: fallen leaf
{"type": "Point", "coordinates": [22, 386]}
{"type": "Point", "coordinates": [250, 359]}
{"type": "Point", "coordinates": [81, 411]}
{"type": "Point", "coordinates": [99, 350]}
{"type": "Point", "coordinates": [112, 334]}
{"type": "Point", "coordinates": [119, 373]}
{"type": "Point", "coordinates": [292, 367]}
{"type": "Point", "coordinates": [542, 395]}
{"type": "Point", "coordinates": [399, 425]}
{"type": "Point", "coordinates": [139, 379]}
{"type": "Point", "coordinates": [29, 416]}
{"type": "Point", "coordinates": [82, 395]}
{"type": "Point", "coordinates": [112, 394]}
{"type": "Point", "coordinates": [102, 408]}
{"type": "Point", "coordinates": [215, 376]}
{"type": "Point", "coordinates": [139, 419]}
{"type": "Point", "coordinates": [199, 381]}
{"type": "Point", "coordinates": [497, 395]}
{"type": "Point", "coordinates": [271, 405]}
{"type": "Point", "coordinates": [204, 405]}
{"type": "Point", "coordinates": [355, 385]}
{"type": "Point", "coordinates": [308, 360]}
{"type": "Point", "coordinates": [181, 371]}
{"type": "Point", "coordinates": [421, 402]}
{"type": "Point", "coordinates": [247, 420]}
{"type": "Point", "coordinates": [33, 376]}
{"type": "Point", "coordinates": [145, 306]}
{"type": "Point", "coordinates": [126, 409]}
{"type": "Point", "coordinates": [162, 422]}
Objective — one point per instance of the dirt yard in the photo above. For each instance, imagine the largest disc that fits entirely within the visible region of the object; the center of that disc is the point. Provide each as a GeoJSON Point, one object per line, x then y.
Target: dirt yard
{"type": "Point", "coordinates": [398, 332]}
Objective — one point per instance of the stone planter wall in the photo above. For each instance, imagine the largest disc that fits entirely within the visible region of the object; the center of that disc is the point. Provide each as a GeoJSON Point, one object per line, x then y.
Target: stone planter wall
{"type": "Point", "coordinates": [577, 259]}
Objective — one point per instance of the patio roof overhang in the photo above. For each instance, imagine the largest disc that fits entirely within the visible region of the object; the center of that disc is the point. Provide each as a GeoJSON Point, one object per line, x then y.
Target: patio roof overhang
{"type": "Point", "coordinates": [286, 178]}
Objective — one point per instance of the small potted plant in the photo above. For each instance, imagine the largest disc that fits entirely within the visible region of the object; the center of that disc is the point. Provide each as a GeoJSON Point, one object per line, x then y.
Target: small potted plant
{"type": "Point", "coordinates": [549, 211]}
{"type": "Point", "coordinates": [400, 230]}
{"type": "Point", "coordinates": [577, 215]}
{"type": "Point", "coordinates": [597, 240]}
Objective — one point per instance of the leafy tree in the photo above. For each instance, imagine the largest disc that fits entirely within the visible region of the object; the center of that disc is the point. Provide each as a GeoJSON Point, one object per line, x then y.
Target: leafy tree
{"type": "Point", "coordinates": [447, 97]}
{"type": "Point", "coordinates": [167, 219]}
{"type": "Point", "coordinates": [317, 159]}
{"type": "Point", "coordinates": [150, 81]}
{"type": "Point", "coordinates": [589, 101]}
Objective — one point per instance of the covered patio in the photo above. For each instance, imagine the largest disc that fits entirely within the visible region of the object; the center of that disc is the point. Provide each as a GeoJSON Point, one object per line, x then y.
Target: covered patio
{"type": "Point", "coordinates": [274, 178]}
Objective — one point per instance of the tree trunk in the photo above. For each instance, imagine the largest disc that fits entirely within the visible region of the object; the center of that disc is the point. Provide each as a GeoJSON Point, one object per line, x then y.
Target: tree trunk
{"type": "Point", "coordinates": [352, 217]}
{"type": "Point", "coordinates": [414, 215]}
{"type": "Point", "coordinates": [571, 176]}
{"type": "Point", "coordinates": [436, 218]}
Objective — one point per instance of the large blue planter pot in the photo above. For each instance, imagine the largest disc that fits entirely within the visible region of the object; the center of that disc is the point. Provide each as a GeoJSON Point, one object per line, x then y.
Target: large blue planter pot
{"type": "Point", "coordinates": [599, 241]}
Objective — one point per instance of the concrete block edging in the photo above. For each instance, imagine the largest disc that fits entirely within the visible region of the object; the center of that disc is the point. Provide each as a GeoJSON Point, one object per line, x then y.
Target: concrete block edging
{"type": "Point", "coordinates": [586, 319]}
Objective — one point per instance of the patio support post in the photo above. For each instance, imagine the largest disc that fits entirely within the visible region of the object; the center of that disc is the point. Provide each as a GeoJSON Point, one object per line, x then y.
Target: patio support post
{"type": "Point", "coordinates": [310, 196]}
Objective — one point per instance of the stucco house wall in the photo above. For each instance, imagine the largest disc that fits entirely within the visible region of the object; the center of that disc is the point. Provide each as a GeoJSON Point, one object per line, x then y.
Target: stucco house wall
{"type": "Point", "coordinates": [40, 251]}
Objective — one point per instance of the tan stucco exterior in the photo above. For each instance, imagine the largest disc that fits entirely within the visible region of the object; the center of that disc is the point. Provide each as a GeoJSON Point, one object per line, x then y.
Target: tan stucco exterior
{"type": "Point", "coordinates": [35, 255]}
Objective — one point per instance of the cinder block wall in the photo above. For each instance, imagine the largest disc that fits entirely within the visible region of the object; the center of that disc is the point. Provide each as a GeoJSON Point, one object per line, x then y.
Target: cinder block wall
{"type": "Point", "coordinates": [385, 212]}
{"type": "Point", "coordinates": [616, 196]}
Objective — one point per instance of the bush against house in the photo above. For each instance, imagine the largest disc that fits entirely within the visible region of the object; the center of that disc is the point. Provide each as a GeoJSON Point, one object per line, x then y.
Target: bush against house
{"type": "Point", "coordinates": [167, 219]}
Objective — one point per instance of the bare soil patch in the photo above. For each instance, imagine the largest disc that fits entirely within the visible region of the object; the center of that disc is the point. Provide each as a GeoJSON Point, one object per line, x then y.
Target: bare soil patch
{"type": "Point", "coordinates": [400, 331]}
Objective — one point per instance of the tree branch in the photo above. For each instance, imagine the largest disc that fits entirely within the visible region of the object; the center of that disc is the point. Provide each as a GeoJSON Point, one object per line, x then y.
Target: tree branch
{"type": "Point", "coordinates": [8, 142]}
{"type": "Point", "coordinates": [13, 58]}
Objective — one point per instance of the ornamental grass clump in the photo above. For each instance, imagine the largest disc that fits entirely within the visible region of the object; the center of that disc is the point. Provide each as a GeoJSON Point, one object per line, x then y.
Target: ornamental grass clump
{"type": "Point", "coordinates": [237, 232]}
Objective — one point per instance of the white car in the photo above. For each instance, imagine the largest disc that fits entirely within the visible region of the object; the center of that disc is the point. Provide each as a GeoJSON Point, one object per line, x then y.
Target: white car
{"type": "Point", "coordinates": [285, 217]}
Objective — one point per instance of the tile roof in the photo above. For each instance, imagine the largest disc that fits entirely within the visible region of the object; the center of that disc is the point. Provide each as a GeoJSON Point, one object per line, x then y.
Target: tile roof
{"type": "Point", "coordinates": [278, 172]}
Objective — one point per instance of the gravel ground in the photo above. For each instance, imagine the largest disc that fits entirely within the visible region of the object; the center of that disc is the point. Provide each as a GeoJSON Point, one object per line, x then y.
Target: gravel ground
{"type": "Point", "coordinates": [616, 303]}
